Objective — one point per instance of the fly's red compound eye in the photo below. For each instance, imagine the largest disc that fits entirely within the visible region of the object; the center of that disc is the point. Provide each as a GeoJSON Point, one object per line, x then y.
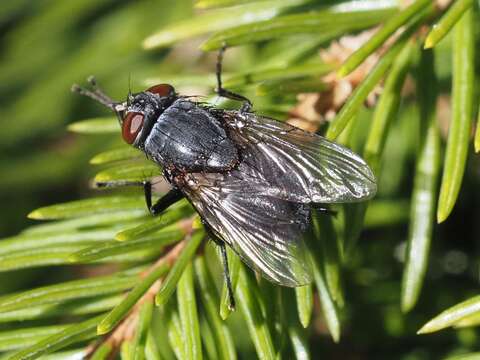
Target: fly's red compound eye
{"type": "Point", "coordinates": [132, 125]}
{"type": "Point", "coordinates": [162, 90]}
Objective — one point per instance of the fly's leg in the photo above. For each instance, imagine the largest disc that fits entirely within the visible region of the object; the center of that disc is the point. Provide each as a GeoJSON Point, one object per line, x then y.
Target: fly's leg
{"type": "Point", "coordinates": [226, 271]}
{"type": "Point", "coordinates": [162, 204]}
{"type": "Point", "coordinates": [247, 104]}
{"type": "Point", "coordinates": [97, 94]}
{"type": "Point", "coordinates": [147, 188]}
{"type": "Point", "coordinates": [114, 184]}
{"type": "Point", "coordinates": [99, 91]}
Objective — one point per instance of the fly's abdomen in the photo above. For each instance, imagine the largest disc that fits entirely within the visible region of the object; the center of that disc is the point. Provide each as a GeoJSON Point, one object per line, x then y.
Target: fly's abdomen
{"type": "Point", "coordinates": [188, 137]}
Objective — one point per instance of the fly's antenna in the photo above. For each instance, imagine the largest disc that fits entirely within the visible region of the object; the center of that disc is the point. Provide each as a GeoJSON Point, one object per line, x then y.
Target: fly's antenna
{"type": "Point", "coordinates": [97, 94]}
{"type": "Point", "coordinates": [129, 88]}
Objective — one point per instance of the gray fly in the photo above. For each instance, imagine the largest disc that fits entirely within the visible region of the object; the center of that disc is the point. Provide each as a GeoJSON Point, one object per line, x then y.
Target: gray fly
{"type": "Point", "coordinates": [253, 180]}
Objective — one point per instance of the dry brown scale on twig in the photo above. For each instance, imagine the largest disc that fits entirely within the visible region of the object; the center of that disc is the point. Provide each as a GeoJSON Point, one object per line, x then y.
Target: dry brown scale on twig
{"type": "Point", "coordinates": [314, 109]}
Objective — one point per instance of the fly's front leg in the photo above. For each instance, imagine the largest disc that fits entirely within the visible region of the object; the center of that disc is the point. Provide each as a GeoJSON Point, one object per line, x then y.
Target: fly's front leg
{"type": "Point", "coordinates": [247, 104]}
{"type": "Point", "coordinates": [164, 202]}
{"type": "Point", "coordinates": [146, 184]}
{"type": "Point", "coordinates": [114, 184]}
{"type": "Point", "coordinates": [147, 190]}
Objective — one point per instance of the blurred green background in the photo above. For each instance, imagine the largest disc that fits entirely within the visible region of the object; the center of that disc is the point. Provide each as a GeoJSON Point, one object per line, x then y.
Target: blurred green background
{"type": "Point", "coordinates": [48, 45]}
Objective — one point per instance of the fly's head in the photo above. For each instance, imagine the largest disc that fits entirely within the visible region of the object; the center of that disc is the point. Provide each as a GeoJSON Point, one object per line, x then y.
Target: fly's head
{"type": "Point", "coordinates": [142, 111]}
{"type": "Point", "coordinates": [139, 113]}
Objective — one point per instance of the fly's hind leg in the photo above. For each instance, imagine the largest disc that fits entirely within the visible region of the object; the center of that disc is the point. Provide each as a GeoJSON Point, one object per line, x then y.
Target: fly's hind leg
{"type": "Point", "coordinates": [221, 91]}
{"type": "Point", "coordinates": [226, 271]}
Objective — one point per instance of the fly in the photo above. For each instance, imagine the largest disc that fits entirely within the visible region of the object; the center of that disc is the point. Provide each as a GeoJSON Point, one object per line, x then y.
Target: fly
{"type": "Point", "coordinates": [253, 180]}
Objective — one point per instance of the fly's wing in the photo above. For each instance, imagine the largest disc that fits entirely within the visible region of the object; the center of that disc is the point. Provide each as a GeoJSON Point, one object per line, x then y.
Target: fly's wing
{"type": "Point", "coordinates": [266, 232]}
{"type": "Point", "coordinates": [300, 166]}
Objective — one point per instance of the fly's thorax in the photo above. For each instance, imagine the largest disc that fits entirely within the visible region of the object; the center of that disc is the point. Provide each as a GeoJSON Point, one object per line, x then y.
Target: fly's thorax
{"type": "Point", "coordinates": [142, 111]}
{"type": "Point", "coordinates": [191, 138]}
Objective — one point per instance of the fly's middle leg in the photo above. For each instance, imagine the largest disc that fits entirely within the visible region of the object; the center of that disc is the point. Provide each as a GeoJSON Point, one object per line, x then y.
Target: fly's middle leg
{"type": "Point", "coordinates": [221, 91]}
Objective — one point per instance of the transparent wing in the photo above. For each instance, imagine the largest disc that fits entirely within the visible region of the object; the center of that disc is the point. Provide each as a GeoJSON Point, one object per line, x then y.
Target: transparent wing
{"type": "Point", "coordinates": [266, 232]}
{"type": "Point", "coordinates": [300, 166]}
